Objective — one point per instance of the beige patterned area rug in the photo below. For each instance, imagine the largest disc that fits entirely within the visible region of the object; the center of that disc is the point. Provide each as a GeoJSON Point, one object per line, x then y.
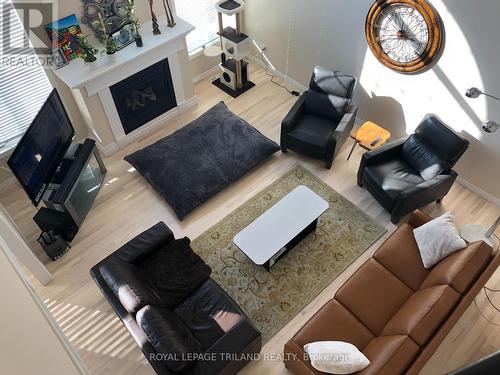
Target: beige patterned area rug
{"type": "Point", "coordinates": [272, 299]}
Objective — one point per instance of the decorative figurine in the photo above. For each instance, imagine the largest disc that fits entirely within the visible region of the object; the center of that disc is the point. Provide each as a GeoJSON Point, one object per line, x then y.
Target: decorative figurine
{"type": "Point", "coordinates": [168, 11]}
{"type": "Point", "coordinates": [156, 28]}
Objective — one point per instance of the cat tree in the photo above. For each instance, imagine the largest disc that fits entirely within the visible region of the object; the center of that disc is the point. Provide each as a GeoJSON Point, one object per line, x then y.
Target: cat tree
{"type": "Point", "coordinates": [235, 47]}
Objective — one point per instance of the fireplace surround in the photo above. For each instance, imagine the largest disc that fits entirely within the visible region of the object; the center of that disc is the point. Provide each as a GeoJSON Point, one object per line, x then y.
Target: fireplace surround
{"type": "Point", "coordinates": [117, 104]}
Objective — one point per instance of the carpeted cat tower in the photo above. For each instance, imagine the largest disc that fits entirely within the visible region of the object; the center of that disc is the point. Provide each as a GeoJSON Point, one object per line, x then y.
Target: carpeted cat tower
{"type": "Point", "coordinates": [234, 72]}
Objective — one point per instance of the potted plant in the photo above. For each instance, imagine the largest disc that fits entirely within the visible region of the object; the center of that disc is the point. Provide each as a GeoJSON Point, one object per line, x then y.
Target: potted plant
{"type": "Point", "coordinates": [109, 43]}
{"type": "Point", "coordinates": [88, 53]}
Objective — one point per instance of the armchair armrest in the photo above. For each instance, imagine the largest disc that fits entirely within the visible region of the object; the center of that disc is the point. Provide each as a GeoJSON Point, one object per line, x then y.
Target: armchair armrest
{"type": "Point", "coordinates": [423, 194]}
{"type": "Point", "coordinates": [137, 249]}
{"type": "Point", "coordinates": [340, 134]}
{"type": "Point", "coordinates": [289, 121]}
{"type": "Point", "coordinates": [388, 150]}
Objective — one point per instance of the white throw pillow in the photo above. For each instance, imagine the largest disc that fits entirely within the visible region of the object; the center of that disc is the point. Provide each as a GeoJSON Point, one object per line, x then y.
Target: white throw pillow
{"type": "Point", "coordinates": [437, 239]}
{"type": "Point", "coordinates": [336, 357]}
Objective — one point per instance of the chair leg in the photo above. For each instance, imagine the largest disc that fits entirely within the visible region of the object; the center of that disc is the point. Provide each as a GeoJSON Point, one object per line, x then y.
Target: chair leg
{"type": "Point", "coordinates": [352, 149]}
{"type": "Point", "coordinates": [284, 150]}
{"type": "Point", "coordinates": [395, 219]}
{"type": "Point", "coordinates": [328, 164]}
{"type": "Point", "coordinates": [439, 201]}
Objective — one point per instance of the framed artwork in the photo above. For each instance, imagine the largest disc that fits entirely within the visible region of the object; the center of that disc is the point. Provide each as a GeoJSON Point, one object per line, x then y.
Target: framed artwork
{"type": "Point", "coordinates": [123, 37]}
{"type": "Point", "coordinates": [63, 35]}
{"type": "Point", "coordinates": [58, 59]}
{"type": "Point", "coordinates": [114, 13]}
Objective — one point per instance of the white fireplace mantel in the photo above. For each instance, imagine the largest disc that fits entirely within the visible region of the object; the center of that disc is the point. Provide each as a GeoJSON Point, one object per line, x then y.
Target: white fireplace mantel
{"type": "Point", "coordinates": [95, 79]}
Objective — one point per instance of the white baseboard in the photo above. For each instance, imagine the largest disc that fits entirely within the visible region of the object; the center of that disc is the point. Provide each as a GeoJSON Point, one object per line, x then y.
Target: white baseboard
{"type": "Point", "coordinates": [108, 150]}
{"type": "Point", "coordinates": [207, 74]}
{"type": "Point", "coordinates": [297, 85]}
{"type": "Point", "coordinates": [483, 194]}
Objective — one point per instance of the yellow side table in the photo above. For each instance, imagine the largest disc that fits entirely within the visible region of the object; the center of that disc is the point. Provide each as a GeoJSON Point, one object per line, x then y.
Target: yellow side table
{"type": "Point", "coordinates": [369, 136]}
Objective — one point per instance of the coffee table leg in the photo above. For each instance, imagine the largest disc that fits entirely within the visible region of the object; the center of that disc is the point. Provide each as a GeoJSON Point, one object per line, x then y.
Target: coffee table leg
{"type": "Point", "coordinates": [352, 149]}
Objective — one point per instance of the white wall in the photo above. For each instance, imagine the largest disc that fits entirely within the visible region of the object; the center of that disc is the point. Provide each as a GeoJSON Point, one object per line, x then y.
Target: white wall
{"type": "Point", "coordinates": [31, 342]}
{"type": "Point", "coordinates": [301, 34]}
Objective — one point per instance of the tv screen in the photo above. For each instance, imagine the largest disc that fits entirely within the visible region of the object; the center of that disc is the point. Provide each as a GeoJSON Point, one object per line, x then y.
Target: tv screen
{"type": "Point", "coordinates": [41, 150]}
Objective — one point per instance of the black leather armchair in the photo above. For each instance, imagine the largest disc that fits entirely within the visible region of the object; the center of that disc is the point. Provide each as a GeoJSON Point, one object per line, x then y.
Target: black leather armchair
{"type": "Point", "coordinates": [208, 320]}
{"type": "Point", "coordinates": [321, 120]}
{"type": "Point", "coordinates": [410, 173]}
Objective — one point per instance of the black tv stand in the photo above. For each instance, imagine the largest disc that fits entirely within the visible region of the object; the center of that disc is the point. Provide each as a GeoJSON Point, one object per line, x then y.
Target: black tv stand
{"type": "Point", "coordinates": [72, 191]}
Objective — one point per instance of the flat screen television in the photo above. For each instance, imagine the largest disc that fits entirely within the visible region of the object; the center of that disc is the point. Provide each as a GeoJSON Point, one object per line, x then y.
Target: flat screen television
{"type": "Point", "coordinates": [40, 151]}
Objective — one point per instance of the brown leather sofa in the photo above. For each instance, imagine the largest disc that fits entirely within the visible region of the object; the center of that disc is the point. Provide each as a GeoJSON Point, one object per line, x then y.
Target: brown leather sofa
{"type": "Point", "coordinates": [393, 309]}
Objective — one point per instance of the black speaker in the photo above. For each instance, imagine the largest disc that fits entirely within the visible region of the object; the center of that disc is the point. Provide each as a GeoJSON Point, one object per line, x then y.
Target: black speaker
{"type": "Point", "coordinates": [60, 223]}
{"type": "Point", "coordinates": [53, 244]}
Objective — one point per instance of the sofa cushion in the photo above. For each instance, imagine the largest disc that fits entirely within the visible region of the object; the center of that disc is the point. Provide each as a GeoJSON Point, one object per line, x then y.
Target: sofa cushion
{"type": "Point", "coordinates": [423, 313]}
{"type": "Point", "coordinates": [460, 269]}
{"type": "Point", "coordinates": [422, 157]}
{"type": "Point", "coordinates": [373, 295]}
{"type": "Point", "coordinates": [390, 355]}
{"type": "Point", "coordinates": [336, 357]}
{"type": "Point", "coordinates": [333, 322]}
{"type": "Point", "coordinates": [437, 239]}
{"type": "Point", "coordinates": [209, 313]}
{"type": "Point", "coordinates": [202, 158]}
{"type": "Point", "coordinates": [169, 337]}
{"type": "Point", "coordinates": [400, 255]}
{"type": "Point", "coordinates": [129, 284]}
{"type": "Point", "coordinates": [329, 107]}
{"type": "Point", "coordinates": [176, 271]}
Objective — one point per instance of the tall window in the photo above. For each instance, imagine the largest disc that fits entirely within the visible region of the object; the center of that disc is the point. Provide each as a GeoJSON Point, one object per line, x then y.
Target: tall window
{"type": "Point", "coordinates": [23, 86]}
{"type": "Point", "coordinates": [202, 15]}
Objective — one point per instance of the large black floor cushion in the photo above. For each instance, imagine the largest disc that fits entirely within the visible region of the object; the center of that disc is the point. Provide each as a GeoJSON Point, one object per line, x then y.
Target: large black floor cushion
{"type": "Point", "coordinates": [202, 158]}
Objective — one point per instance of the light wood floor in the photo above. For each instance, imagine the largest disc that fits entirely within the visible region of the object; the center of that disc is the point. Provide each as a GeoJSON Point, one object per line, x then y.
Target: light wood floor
{"type": "Point", "coordinates": [127, 205]}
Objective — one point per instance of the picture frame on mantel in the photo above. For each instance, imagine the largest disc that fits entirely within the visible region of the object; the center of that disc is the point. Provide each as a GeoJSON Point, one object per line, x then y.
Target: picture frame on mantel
{"type": "Point", "coordinates": [114, 13]}
{"type": "Point", "coordinates": [58, 60]}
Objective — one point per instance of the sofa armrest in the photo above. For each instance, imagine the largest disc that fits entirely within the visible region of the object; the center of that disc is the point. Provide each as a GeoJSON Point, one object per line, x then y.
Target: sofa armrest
{"type": "Point", "coordinates": [387, 151]}
{"type": "Point", "coordinates": [138, 248]}
{"type": "Point", "coordinates": [418, 218]}
{"type": "Point", "coordinates": [423, 194]}
{"type": "Point", "coordinates": [295, 359]}
{"type": "Point", "coordinates": [340, 134]}
{"type": "Point", "coordinates": [232, 351]}
{"type": "Point", "coordinates": [289, 121]}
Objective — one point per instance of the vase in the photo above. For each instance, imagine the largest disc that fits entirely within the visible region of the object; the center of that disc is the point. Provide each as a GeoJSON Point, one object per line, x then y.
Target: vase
{"type": "Point", "coordinates": [111, 57]}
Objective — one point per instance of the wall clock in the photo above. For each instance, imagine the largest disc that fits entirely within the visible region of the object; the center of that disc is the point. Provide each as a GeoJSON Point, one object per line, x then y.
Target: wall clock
{"type": "Point", "coordinates": [404, 35]}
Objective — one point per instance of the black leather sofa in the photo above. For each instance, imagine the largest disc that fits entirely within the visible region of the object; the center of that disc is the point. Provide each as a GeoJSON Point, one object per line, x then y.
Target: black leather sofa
{"type": "Point", "coordinates": [489, 365]}
{"type": "Point", "coordinates": [322, 118]}
{"type": "Point", "coordinates": [410, 173]}
{"type": "Point", "coordinates": [207, 320]}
